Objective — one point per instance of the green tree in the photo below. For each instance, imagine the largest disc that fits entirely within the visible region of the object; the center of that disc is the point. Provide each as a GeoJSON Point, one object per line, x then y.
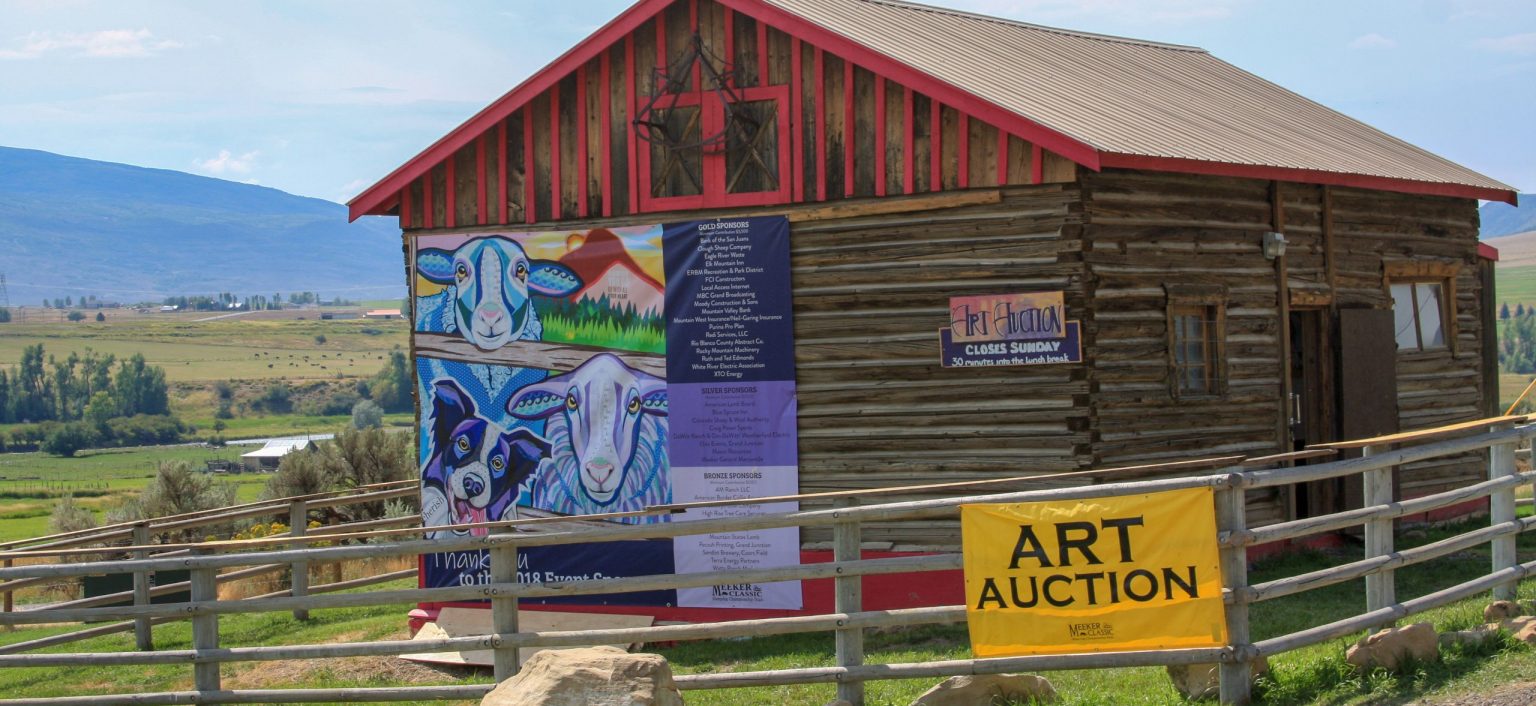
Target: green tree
{"type": "Point", "coordinates": [75, 316]}
{"type": "Point", "coordinates": [100, 317]}
{"type": "Point", "coordinates": [5, 315]}
{"type": "Point", "coordinates": [391, 388]}
{"type": "Point", "coordinates": [68, 438]}
{"type": "Point", "coordinates": [355, 458]}
{"type": "Point", "coordinates": [367, 414]}
{"type": "Point", "coordinates": [140, 388]}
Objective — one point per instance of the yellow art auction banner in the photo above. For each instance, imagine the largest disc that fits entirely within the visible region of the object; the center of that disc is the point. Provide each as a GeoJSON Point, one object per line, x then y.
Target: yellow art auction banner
{"type": "Point", "coordinates": [1138, 572]}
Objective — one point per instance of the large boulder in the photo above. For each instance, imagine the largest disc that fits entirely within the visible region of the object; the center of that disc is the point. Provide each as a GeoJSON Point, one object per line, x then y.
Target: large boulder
{"type": "Point", "coordinates": [985, 689]}
{"type": "Point", "coordinates": [1500, 611]}
{"type": "Point", "coordinates": [1470, 639]}
{"type": "Point", "coordinates": [589, 676]}
{"type": "Point", "coordinates": [1200, 681]}
{"type": "Point", "coordinates": [1393, 648]}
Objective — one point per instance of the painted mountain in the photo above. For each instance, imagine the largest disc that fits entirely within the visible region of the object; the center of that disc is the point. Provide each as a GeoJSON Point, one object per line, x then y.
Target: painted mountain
{"type": "Point", "coordinates": [609, 272]}
{"type": "Point", "coordinates": [73, 227]}
{"type": "Point", "coordinates": [619, 306]}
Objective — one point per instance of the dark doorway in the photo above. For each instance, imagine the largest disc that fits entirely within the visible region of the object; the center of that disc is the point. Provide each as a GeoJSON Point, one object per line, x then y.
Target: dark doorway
{"type": "Point", "coordinates": [1313, 407]}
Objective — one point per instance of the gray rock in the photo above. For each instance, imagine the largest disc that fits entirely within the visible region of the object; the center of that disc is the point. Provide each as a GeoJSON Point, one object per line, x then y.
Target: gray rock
{"type": "Point", "coordinates": [986, 689]}
{"type": "Point", "coordinates": [1200, 681]}
{"type": "Point", "coordinates": [589, 676]}
{"type": "Point", "coordinates": [1390, 649]}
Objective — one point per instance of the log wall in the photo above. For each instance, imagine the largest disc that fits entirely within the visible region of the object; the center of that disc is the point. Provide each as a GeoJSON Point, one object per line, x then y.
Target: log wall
{"type": "Point", "coordinates": [1145, 232]}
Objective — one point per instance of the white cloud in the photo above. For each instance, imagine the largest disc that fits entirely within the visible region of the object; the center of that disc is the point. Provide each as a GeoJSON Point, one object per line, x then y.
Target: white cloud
{"type": "Point", "coordinates": [227, 163]}
{"type": "Point", "coordinates": [1522, 44]}
{"type": "Point", "coordinates": [1372, 41]}
{"type": "Point", "coordinates": [105, 44]}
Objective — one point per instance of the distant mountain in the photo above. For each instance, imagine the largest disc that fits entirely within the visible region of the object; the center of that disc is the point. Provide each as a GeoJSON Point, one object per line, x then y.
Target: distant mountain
{"type": "Point", "coordinates": [607, 270]}
{"type": "Point", "coordinates": [1504, 219]}
{"type": "Point", "coordinates": [71, 227]}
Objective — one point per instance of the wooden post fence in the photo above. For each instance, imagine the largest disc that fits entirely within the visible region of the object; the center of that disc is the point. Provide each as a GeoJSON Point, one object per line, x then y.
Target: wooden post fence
{"type": "Point", "coordinates": [1501, 510]}
{"type": "Point", "coordinates": [1232, 519]}
{"type": "Point", "coordinates": [143, 637]}
{"type": "Point", "coordinates": [849, 598]}
{"type": "Point", "coordinates": [504, 610]}
{"type": "Point", "coordinates": [205, 626]}
{"type": "Point", "coordinates": [1380, 587]}
{"type": "Point", "coordinates": [298, 574]}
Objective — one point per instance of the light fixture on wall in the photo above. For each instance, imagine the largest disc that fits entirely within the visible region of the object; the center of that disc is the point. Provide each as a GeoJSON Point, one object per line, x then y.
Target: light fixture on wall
{"type": "Point", "coordinates": [1274, 245]}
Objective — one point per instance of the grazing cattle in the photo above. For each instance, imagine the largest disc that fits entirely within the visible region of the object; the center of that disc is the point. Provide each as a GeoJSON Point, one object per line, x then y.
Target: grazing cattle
{"type": "Point", "coordinates": [487, 284]}
{"type": "Point", "coordinates": [607, 428]}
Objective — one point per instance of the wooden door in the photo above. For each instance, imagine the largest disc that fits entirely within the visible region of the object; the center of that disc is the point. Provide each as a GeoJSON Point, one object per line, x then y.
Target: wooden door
{"type": "Point", "coordinates": [1367, 383]}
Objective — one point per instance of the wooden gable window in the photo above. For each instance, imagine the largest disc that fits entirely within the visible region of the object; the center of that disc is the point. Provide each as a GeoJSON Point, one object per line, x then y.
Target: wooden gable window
{"type": "Point", "coordinates": [1423, 304]}
{"type": "Point", "coordinates": [1197, 323]}
{"type": "Point", "coordinates": [748, 167]}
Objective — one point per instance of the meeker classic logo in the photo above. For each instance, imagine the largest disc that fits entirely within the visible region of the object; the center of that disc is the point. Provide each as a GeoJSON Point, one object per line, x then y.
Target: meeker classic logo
{"type": "Point", "coordinates": [1091, 631]}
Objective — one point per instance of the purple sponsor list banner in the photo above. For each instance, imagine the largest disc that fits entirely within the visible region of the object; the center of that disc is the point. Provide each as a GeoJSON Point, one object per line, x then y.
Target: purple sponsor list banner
{"type": "Point", "coordinates": [731, 398]}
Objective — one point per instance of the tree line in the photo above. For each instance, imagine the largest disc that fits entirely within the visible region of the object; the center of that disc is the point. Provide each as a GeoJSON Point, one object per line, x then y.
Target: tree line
{"type": "Point", "coordinates": [85, 400]}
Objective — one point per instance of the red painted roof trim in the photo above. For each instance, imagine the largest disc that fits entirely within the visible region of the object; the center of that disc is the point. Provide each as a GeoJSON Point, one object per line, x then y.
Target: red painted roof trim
{"type": "Point", "coordinates": [378, 197]}
{"type": "Point", "coordinates": [1307, 176]}
{"type": "Point", "coordinates": [1487, 252]}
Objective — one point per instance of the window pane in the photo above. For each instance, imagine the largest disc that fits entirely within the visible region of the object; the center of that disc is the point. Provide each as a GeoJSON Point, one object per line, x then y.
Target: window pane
{"type": "Point", "coordinates": [677, 171]}
{"type": "Point", "coordinates": [1193, 350]}
{"type": "Point", "coordinates": [1433, 332]}
{"type": "Point", "coordinates": [1402, 316]}
{"type": "Point", "coordinates": [752, 148]}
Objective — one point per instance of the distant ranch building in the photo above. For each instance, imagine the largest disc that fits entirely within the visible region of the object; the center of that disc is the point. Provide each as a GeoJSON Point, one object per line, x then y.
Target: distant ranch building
{"type": "Point", "coordinates": [269, 456]}
{"type": "Point", "coordinates": [1250, 271]}
{"type": "Point", "coordinates": [382, 314]}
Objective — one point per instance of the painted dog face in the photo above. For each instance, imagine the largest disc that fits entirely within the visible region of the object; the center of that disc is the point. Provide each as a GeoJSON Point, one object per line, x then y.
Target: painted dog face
{"type": "Point", "coordinates": [493, 279]}
{"type": "Point", "coordinates": [481, 465]}
{"type": "Point", "coordinates": [601, 403]}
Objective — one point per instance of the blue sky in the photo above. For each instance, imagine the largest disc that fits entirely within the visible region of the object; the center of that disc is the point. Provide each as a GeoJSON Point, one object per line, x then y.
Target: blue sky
{"type": "Point", "coordinates": [323, 98]}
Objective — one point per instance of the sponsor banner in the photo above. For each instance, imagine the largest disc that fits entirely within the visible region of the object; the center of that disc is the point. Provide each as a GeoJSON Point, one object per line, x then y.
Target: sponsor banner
{"type": "Point", "coordinates": [1101, 575]}
{"type": "Point", "coordinates": [590, 372]}
{"type": "Point", "coordinates": [985, 354]}
{"type": "Point", "coordinates": [731, 385]}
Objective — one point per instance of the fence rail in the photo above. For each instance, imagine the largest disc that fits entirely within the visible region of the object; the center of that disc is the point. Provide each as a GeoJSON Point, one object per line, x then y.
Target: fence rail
{"type": "Point", "coordinates": [1230, 477]}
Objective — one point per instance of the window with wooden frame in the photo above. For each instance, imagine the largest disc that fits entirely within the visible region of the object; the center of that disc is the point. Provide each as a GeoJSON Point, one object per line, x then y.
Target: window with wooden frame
{"type": "Point", "coordinates": [750, 166]}
{"type": "Point", "coordinates": [1423, 304]}
{"type": "Point", "coordinates": [1197, 323]}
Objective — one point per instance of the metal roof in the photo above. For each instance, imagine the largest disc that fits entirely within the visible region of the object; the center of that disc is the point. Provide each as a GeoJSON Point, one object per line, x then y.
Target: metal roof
{"type": "Point", "coordinates": [1127, 96]}
{"type": "Point", "coordinates": [278, 448]}
{"type": "Point", "coordinates": [1097, 100]}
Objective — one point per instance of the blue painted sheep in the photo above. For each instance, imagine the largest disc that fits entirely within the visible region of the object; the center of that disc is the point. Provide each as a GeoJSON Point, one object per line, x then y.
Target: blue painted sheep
{"type": "Point", "coordinates": [487, 287]}
{"type": "Point", "coordinates": [607, 428]}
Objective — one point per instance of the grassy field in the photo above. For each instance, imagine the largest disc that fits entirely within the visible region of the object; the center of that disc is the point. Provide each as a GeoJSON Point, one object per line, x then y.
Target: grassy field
{"type": "Point", "coordinates": [1315, 675]}
{"type": "Point", "coordinates": [224, 349]}
{"type": "Point", "coordinates": [1516, 285]}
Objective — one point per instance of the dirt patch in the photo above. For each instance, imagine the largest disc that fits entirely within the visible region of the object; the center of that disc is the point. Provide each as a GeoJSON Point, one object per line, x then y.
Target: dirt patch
{"type": "Point", "coordinates": [287, 673]}
{"type": "Point", "coordinates": [1520, 694]}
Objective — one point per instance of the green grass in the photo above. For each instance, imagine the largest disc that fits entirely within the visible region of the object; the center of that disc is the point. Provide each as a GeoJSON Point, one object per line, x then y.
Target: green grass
{"type": "Point", "coordinates": [31, 483]}
{"type": "Point", "coordinates": [1516, 285]}
{"type": "Point", "coordinates": [607, 335]}
{"type": "Point", "coordinates": [1314, 675]}
{"type": "Point", "coordinates": [228, 349]}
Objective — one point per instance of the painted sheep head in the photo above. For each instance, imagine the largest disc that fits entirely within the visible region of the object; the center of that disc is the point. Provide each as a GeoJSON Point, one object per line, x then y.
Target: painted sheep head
{"type": "Point", "coordinates": [481, 464]}
{"type": "Point", "coordinates": [601, 403]}
{"type": "Point", "coordinates": [493, 279]}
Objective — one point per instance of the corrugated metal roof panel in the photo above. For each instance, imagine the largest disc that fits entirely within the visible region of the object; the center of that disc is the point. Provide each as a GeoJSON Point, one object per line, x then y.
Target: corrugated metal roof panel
{"type": "Point", "coordinates": [1126, 96]}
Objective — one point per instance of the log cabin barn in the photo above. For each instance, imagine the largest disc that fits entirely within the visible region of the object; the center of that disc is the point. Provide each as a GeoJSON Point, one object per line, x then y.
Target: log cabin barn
{"type": "Point", "coordinates": [1243, 263]}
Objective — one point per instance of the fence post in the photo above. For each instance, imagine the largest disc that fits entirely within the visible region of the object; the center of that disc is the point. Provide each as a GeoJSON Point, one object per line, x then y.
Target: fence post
{"type": "Point", "coordinates": [298, 571]}
{"type": "Point", "coordinates": [143, 639]}
{"type": "Point", "coordinates": [504, 610]}
{"type": "Point", "coordinates": [205, 626]}
{"type": "Point", "coordinates": [10, 598]}
{"type": "Point", "coordinates": [849, 598]}
{"type": "Point", "coordinates": [1380, 587]}
{"type": "Point", "coordinates": [1501, 509]}
{"type": "Point", "coordinates": [1236, 675]}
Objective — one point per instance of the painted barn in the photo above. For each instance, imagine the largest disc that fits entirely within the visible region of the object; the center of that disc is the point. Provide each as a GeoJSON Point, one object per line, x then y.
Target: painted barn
{"type": "Point", "coordinates": [1248, 271]}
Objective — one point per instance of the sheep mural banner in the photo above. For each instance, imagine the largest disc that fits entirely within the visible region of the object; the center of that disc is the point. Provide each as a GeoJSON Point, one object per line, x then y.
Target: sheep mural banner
{"type": "Point", "coordinates": [601, 373]}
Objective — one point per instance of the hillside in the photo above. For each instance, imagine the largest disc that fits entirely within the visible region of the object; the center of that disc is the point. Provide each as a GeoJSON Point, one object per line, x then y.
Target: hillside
{"type": "Point", "coordinates": [1500, 219]}
{"type": "Point", "coordinates": [71, 227]}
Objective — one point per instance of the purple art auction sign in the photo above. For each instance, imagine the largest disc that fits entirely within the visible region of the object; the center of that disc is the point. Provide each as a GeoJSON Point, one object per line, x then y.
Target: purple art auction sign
{"type": "Point", "coordinates": [731, 397]}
